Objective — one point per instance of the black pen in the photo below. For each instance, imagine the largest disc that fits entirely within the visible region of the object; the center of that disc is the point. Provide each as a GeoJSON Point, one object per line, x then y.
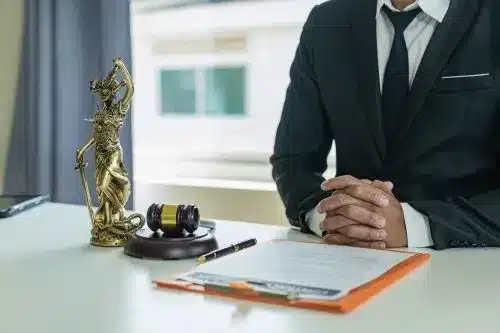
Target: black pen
{"type": "Point", "coordinates": [227, 250]}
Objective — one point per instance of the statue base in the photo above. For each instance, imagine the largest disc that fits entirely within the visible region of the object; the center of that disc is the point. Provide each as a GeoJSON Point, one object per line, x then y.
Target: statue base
{"type": "Point", "coordinates": [118, 242]}
{"type": "Point", "coordinates": [108, 239]}
{"type": "Point", "coordinates": [118, 234]}
{"type": "Point", "coordinates": [146, 244]}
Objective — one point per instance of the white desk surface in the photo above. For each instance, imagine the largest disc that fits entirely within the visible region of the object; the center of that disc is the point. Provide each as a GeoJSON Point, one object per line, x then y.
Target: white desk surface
{"type": "Point", "coordinates": [52, 280]}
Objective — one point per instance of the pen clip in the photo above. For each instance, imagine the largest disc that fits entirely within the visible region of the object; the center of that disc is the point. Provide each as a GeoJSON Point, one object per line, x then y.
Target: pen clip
{"type": "Point", "coordinates": [233, 248]}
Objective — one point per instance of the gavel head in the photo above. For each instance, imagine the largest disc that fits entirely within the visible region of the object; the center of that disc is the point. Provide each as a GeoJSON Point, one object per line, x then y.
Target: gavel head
{"type": "Point", "coordinates": [174, 220]}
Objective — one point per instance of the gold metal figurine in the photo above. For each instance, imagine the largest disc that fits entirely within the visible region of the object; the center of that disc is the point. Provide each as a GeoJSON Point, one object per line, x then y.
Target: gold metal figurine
{"type": "Point", "coordinates": [110, 226]}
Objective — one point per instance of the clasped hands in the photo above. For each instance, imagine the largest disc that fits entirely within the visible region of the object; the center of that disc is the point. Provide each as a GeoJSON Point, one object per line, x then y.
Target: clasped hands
{"type": "Point", "coordinates": [362, 213]}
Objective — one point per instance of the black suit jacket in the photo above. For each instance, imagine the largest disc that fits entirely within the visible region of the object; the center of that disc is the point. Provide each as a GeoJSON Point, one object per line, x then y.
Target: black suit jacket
{"type": "Point", "coordinates": [443, 160]}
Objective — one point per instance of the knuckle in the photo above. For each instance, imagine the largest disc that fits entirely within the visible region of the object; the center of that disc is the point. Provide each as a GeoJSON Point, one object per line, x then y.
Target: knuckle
{"type": "Point", "coordinates": [323, 205]}
{"type": "Point", "coordinates": [368, 194]}
{"type": "Point", "coordinates": [373, 195]}
{"type": "Point", "coordinates": [377, 220]}
{"type": "Point", "coordinates": [349, 180]}
{"type": "Point", "coordinates": [357, 190]}
{"type": "Point", "coordinates": [337, 180]}
{"type": "Point", "coordinates": [340, 199]}
{"type": "Point", "coordinates": [347, 177]}
{"type": "Point", "coordinates": [377, 234]}
{"type": "Point", "coordinates": [332, 203]}
{"type": "Point", "coordinates": [373, 235]}
{"type": "Point", "coordinates": [372, 218]}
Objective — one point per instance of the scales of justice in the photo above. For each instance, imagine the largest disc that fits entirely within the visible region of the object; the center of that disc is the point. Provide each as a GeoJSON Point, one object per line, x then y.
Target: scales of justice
{"type": "Point", "coordinates": [174, 231]}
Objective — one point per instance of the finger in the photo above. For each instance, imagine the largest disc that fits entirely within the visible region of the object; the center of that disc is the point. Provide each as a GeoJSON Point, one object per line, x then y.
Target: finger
{"type": "Point", "coordinates": [335, 201]}
{"type": "Point", "coordinates": [368, 194]}
{"type": "Point", "coordinates": [333, 223]}
{"type": "Point", "coordinates": [340, 182]}
{"type": "Point", "coordinates": [362, 215]}
{"type": "Point", "coordinates": [337, 239]}
{"type": "Point", "coordinates": [363, 233]}
{"type": "Point", "coordinates": [368, 245]}
{"type": "Point", "coordinates": [388, 186]}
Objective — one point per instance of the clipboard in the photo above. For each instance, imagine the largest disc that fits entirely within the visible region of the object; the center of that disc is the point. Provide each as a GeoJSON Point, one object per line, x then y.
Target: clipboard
{"type": "Point", "coordinates": [344, 304]}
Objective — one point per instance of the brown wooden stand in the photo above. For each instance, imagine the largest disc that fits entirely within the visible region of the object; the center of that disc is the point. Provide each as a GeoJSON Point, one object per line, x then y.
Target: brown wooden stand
{"type": "Point", "coordinates": [147, 244]}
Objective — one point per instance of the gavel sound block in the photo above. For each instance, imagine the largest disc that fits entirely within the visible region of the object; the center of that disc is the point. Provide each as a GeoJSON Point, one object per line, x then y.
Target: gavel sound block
{"type": "Point", "coordinates": [174, 232]}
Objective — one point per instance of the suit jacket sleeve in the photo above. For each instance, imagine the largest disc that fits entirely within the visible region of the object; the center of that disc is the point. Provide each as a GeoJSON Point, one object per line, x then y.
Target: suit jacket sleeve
{"type": "Point", "coordinates": [303, 138]}
{"type": "Point", "coordinates": [463, 222]}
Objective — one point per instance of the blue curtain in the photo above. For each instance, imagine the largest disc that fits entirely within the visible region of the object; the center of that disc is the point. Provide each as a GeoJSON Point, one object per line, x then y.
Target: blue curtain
{"type": "Point", "coordinates": [66, 44]}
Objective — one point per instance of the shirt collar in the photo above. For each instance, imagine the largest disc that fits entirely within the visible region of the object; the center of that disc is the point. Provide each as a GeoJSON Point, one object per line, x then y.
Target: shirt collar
{"type": "Point", "coordinates": [434, 8]}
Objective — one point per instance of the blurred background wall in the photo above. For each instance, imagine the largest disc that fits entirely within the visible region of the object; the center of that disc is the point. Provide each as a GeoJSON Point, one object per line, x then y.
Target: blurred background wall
{"type": "Point", "coordinates": [11, 30]}
{"type": "Point", "coordinates": [210, 81]}
{"type": "Point", "coordinates": [211, 78]}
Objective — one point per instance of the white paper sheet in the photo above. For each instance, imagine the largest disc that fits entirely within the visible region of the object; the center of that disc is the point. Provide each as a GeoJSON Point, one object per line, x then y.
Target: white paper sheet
{"type": "Point", "coordinates": [309, 265]}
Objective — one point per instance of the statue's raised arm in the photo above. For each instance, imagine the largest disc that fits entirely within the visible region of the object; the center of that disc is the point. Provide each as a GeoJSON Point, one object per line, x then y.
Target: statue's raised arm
{"type": "Point", "coordinates": [127, 82]}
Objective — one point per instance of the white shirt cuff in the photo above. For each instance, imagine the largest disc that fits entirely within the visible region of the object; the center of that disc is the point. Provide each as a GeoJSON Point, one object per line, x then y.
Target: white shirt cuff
{"type": "Point", "coordinates": [417, 228]}
{"type": "Point", "coordinates": [313, 220]}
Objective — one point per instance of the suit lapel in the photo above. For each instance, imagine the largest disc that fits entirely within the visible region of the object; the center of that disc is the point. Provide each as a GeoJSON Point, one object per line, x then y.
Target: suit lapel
{"type": "Point", "coordinates": [365, 54]}
{"type": "Point", "coordinates": [441, 46]}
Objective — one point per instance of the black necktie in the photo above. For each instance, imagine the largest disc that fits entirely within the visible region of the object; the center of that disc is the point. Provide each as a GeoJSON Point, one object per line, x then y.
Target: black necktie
{"type": "Point", "coordinates": [396, 78]}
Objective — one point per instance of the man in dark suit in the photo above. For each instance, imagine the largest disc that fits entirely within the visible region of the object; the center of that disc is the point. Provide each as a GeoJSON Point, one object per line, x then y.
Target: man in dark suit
{"type": "Point", "coordinates": [409, 90]}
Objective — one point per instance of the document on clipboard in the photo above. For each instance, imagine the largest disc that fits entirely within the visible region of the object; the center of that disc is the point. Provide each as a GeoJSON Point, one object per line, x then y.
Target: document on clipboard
{"type": "Point", "coordinates": [301, 273]}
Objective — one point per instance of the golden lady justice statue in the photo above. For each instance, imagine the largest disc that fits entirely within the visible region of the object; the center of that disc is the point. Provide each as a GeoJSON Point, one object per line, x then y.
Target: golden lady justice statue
{"type": "Point", "coordinates": [110, 226]}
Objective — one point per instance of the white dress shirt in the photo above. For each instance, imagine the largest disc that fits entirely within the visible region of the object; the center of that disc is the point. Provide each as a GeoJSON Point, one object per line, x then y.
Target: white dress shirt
{"type": "Point", "coordinates": [417, 36]}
